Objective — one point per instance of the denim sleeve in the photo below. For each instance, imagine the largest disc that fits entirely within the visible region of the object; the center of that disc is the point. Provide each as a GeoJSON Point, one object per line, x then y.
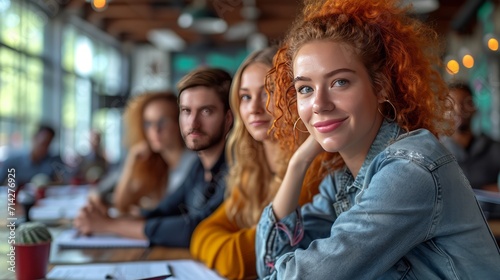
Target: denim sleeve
{"type": "Point", "coordinates": [275, 238]}
{"type": "Point", "coordinates": [394, 212]}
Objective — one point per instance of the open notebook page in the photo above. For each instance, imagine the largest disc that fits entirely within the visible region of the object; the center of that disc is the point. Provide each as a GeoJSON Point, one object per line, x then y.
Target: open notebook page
{"type": "Point", "coordinates": [117, 271]}
{"type": "Point", "coordinates": [71, 239]}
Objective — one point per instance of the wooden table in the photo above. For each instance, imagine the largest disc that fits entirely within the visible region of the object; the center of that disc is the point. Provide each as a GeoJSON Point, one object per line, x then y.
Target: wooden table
{"type": "Point", "coordinates": [165, 253]}
{"type": "Point", "coordinates": [78, 256]}
{"type": "Point", "coordinates": [96, 255]}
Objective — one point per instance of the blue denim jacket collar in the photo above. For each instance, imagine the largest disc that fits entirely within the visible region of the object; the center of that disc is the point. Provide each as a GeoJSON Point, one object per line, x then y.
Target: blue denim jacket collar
{"type": "Point", "coordinates": [388, 133]}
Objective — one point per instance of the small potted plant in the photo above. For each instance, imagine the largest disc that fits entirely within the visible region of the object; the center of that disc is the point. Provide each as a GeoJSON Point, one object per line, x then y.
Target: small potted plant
{"type": "Point", "coordinates": [32, 249]}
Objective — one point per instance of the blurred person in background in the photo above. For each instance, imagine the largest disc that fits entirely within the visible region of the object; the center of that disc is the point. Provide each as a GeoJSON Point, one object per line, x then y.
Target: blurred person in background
{"type": "Point", "coordinates": [157, 161]}
{"type": "Point", "coordinates": [477, 155]}
{"type": "Point", "coordinates": [92, 166]}
{"type": "Point", "coordinates": [35, 163]}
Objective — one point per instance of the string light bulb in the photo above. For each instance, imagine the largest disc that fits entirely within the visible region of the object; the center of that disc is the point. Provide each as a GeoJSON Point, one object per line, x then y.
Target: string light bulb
{"type": "Point", "coordinates": [99, 5]}
{"type": "Point", "coordinates": [493, 44]}
{"type": "Point", "coordinates": [452, 67]}
{"type": "Point", "coordinates": [468, 61]}
{"type": "Point", "coordinates": [490, 42]}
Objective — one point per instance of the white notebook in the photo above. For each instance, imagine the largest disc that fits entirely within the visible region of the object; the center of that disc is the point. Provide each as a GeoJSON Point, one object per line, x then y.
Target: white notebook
{"type": "Point", "coordinates": [174, 269]}
{"type": "Point", "coordinates": [71, 239]}
{"type": "Point", "coordinates": [118, 271]}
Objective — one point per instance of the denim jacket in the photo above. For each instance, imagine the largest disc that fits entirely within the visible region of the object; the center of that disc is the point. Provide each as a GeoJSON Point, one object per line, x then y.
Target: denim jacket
{"type": "Point", "coordinates": [409, 214]}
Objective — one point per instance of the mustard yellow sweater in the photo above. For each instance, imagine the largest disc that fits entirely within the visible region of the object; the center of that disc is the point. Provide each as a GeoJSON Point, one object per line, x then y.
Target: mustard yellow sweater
{"type": "Point", "coordinates": [222, 245]}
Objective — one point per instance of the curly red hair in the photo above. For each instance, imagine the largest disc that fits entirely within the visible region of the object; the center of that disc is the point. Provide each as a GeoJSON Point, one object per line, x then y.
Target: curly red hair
{"type": "Point", "coordinates": [399, 52]}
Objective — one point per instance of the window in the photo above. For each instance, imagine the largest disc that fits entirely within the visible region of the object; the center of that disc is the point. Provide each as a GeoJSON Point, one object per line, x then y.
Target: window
{"type": "Point", "coordinates": [34, 89]}
{"type": "Point", "coordinates": [90, 69]}
{"type": "Point", "coordinates": [21, 72]}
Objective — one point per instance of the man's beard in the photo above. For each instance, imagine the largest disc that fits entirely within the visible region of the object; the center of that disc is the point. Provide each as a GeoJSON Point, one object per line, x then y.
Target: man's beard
{"type": "Point", "coordinates": [204, 144]}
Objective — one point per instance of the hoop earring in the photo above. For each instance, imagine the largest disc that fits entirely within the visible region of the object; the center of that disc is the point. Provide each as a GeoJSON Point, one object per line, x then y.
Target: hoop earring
{"type": "Point", "coordinates": [295, 127]}
{"type": "Point", "coordinates": [393, 108]}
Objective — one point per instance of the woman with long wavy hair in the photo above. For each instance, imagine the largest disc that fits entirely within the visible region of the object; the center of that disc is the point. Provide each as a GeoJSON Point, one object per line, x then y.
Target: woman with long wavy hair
{"type": "Point", "coordinates": [225, 241]}
{"type": "Point", "coordinates": [157, 159]}
{"type": "Point", "coordinates": [361, 76]}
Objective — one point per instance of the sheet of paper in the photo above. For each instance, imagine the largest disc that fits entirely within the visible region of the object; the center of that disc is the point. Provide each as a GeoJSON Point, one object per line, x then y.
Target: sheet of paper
{"type": "Point", "coordinates": [175, 269]}
{"type": "Point", "coordinates": [60, 202]}
{"type": "Point", "coordinates": [117, 271]}
{"type": "Point", "coordinates": [52, 208]}
{"type": "Point", "coordinates": [71, 239]}
{"type": "Point", "coordinates": [67, 190]}
{"type": "Point", "coordinates": [191, 270]}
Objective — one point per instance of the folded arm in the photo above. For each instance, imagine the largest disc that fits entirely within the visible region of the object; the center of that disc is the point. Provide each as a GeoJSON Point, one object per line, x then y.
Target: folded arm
{"type": "Point", "coordinates": [392, 215]}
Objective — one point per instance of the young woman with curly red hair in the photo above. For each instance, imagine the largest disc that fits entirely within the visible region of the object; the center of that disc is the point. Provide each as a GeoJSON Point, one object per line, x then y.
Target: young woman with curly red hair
{"type": "Point", "coordinates": [393, 204]}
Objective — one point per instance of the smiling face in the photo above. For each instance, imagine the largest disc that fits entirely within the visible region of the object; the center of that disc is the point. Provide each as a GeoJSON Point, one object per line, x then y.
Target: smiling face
{"type": "Point", "coordinates": [203, 120]}
{"type": "Point", "coordinates": [335, 99]}
{"type": "Point", "coordinates": [252, 98]}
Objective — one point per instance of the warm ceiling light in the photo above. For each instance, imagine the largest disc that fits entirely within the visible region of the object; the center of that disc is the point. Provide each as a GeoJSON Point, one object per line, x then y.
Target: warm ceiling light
{"type": "Point", "coordinates": [468, 61]}
{"type": "Point", "coordinates": [452, 67]}
{"type": "Point", "coordinates": [493, 44]}
{"type": "Point", "coordinates": [99, 5]}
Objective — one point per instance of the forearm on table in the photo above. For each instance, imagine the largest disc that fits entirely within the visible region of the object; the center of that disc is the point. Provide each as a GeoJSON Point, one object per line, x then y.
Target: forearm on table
{"type": "Point", "coordinates": [126, 227]}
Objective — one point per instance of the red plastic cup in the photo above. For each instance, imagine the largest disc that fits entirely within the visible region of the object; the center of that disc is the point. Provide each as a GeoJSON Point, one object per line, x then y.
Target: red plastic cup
{"type": "Point", "coordinates": [32, 260]}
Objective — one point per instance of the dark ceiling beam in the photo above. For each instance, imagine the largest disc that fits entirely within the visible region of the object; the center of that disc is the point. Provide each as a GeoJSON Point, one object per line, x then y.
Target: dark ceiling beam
{"type": "Point", "coordinates": [274, 10]}
{"type": "Point", "coordinates": [440, 19]}
{"type": "Point", "coordinates": [136, 25]}
{"type": "Point", "coordinates": [269, 10]}
{"type": "Point", "coordinates": [121, 11]}
{"type": "Point", "coordinates": [134, 11]}
{"type": "Point", "coordinates": [138, 1]}
{"type": "Point", "coordinates": [142, 37]}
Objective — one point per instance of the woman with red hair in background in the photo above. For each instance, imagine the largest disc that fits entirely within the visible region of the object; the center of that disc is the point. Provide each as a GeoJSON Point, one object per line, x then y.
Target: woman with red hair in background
{"type": "Point", "coordinates": [394, 203]}
{"type": "Point", "coordinates": [157, 161]}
